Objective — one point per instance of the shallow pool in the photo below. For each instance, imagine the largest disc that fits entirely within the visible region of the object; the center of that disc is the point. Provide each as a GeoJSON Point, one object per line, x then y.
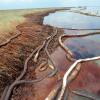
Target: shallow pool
{"type": "Point", "coordinates": [66, 19]}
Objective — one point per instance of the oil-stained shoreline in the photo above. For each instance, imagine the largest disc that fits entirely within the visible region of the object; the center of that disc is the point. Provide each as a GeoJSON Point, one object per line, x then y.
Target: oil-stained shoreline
{"type": "Point", "coordinates": [33, 33]}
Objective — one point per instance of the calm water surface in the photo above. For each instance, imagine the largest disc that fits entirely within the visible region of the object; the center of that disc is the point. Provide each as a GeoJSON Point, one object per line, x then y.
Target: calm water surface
{"type": "Point", "coordinates": [84, 47]}
{"type": "Point", "coordinates": [65, 19]}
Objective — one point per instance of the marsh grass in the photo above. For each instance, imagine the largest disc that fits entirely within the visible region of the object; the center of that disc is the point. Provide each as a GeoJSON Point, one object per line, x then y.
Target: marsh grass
{"type": "Point", "coordinates": [9, 19]}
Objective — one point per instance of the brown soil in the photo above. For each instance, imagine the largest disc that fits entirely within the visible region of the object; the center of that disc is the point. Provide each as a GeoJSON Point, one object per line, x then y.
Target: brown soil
{"type": "Point", "coordinates": [13, 56]}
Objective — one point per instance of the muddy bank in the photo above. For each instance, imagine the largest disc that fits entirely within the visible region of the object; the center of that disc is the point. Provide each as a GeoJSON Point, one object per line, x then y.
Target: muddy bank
{"type": "Point", "coordinates": [13, 55]}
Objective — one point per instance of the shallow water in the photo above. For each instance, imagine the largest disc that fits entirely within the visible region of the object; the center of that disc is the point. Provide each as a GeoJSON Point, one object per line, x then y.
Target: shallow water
{"type": "Point", "coordinates": [66, 19]}
{"type": "Point", "coordinates": [83, 47]}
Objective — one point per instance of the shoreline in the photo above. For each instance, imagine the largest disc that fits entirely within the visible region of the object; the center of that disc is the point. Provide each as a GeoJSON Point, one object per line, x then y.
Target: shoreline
{"type": "Point", "coordinates": [33, 33]}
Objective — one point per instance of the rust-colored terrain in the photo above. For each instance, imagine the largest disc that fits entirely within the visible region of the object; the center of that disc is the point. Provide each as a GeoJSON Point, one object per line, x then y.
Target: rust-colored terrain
{"type": "Point", "coordinates": [14, 54]}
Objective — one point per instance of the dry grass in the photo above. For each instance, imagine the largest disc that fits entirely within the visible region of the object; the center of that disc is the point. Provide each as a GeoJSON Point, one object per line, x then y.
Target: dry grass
{"type": "Point", "coordinates": [9, 19]}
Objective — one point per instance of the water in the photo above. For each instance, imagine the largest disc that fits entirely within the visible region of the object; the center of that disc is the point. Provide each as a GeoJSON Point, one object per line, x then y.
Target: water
{"type": "Point", "coordinates": [95, 10]}
{"type": "Point", "coordinates": [85, 47]}
{"type": "Point", "coordinates": [65, 19]}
